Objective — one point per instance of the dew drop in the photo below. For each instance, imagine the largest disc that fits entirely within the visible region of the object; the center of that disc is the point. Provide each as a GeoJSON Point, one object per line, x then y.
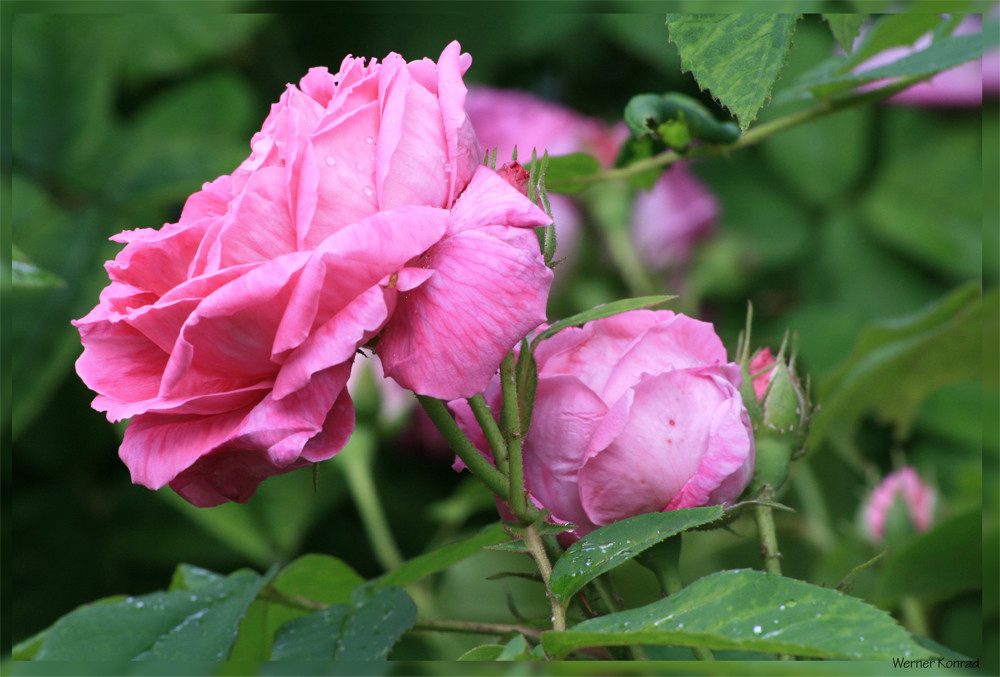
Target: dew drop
{"type": "Point", "coordinates": [360, 167]}
{"type": "Point", "coordinates": [330, 161]}
{"type": "Point", "coordinates": [369, 139]}
{"type": "Point", "coordinates": [757, 629]}
{"type": "Point", "coordinates": [447, 166]}
{"type": "Point", "coordinates": [139, 604]}
{"type": "Point", "coordinates": [367, 190]}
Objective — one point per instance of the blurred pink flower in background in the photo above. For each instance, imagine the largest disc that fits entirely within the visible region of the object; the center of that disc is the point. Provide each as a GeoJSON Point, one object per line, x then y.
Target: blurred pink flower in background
{"type": "Point", "coordinates": [363, 210]}
{"type": "Point", "coordinates": [963, 85]}
{"type": "Point", "coordinates": [905, 486]}
{"type": "Point", "coordinates": [667, 220]}
{"type": "Point", "coordinates": [670, 219]}
{"type": "Point", "coordinates": [635, 413]}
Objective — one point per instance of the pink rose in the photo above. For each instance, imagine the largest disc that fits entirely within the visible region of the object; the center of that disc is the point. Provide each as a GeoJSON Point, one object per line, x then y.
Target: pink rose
{"type": "Point", "coordinates": [363, 211]}
{"type": "Point", "coordinates": [905, 486]}
{"type": "Point", "coordinates": [672, 217]}
{"type": "Point", "coordinates": [635, 413]}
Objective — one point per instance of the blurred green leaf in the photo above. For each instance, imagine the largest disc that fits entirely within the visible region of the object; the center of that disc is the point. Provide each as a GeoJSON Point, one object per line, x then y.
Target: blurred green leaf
{"type": "Point", "coordinates": [896, 363]}
{"type": "Point", "coordinates": [484, 652]}
{"type": "Point", "coordinates": [605, 548]}
{"type": "Point", "coordinates": [892, 30]}
{"type": "Point", "coordinates": [943, 561]}
{"type": "Point", "coordinates": [940, 55]}
{"type": "Point", "coordinates": [927, 199]}
{"type": "Point", "coordinates": [199, 624]}
{"type": "Point", "coordinates": [442, 558]}
{"type": "Point", "coordinates": [607, 310]}
{"type": "Point", "coordinates": [737, 57]}
{"type": "Point", "coordinates": [751, 611]}
{"type": "Point", "coordinates": [568, 173]}
{"type": "Point", "coordinates": [364, 631]}
{"type": "Point", "coordinates": [845, 27]}
{"type": "Point", "coordinates": [823, 161]}
{"type": "Point", "coordinates": [24, 273]}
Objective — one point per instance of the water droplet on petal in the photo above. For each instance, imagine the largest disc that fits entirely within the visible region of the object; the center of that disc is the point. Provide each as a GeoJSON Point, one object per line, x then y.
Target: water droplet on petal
{"type": "Point", "coordinates": [369, 139]}
{"type": "Point", "coordinates": [330, 161]}
{"type": "Point", "coordinates": [360, 167]}
{"type": "Point", "coordinates": [367, 191]}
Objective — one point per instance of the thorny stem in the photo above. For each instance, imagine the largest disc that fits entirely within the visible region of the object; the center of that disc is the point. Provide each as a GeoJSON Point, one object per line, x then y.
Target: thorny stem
{"type": "Point", "coordinates": [512, 434]}
{"type": "Point", "coordinates": [460, 444]}
{"type": "Point", "coordinates": [765, 530]}
{"type": "Point", "coordinates": [537, 549]}
{"type": "Point", "coordinates": [753, 136]}
{"type": "Point", "coordinates": [473, 627]}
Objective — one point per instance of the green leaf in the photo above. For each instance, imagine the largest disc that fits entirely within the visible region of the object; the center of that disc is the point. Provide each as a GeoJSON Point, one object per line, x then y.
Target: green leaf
{"type": "Point", "coordinates": [196, 624]}
{"type": "Point", "coordinates": [24, 273]}
{"type": "Point", "coordinates": [442, 558]}
{"type": "Point", "coordinates": [364, 631]}
{"type": "Point", "coordinates": [607, 310]}
{"type": "Point", "coordinates": [750, 610]}
{"type": "Point", "coordinates": [570, 173]}
{"type": "Point", "coordinates": [896, 363]}
{"type": "Point", "coordinates": [941, 55]}
{"type": "Point", "coordinates": [605, 548]}
{"type": "Point", "coordinates": [738, 57]}
{"type": "Point", "coordinates": [484, 652]}
{"type": "Point", "coordinates": [845, 27]}
{"type": "Point", "coordinates": [942, 561]}
{"type": "Point", "coordinates": [893, 30]}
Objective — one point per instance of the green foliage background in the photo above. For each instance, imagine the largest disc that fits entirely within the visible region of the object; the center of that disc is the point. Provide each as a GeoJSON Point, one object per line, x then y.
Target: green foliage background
{"type": "Point", "coordinates": [117, 116]}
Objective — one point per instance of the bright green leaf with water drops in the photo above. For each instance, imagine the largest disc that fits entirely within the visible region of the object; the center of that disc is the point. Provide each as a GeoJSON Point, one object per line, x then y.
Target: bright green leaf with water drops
{"type": "Point", "coordinates": [363, 631]}
{"type": "Point", "coordinates": [607, 547]}
{"type": "Point", "coordinates": [750, 610]}
{"type": "Point", "coordinates": [197, 623]}
{"type": "Point", "coordinates": [737, 57]}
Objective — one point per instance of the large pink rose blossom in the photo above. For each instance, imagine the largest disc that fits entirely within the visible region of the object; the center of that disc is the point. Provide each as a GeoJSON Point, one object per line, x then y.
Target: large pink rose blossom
{"type": "Point", "coordinates": [363, 211]}
{"type": "Point", "coordinates": [635, 413]}
{"type": "Point", "coordinates": [905, 485]}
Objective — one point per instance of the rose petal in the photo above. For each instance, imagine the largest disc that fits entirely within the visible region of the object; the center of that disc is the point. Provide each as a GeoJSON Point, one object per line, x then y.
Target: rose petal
{"type": "Point", "coordinates": [565, 416]}
{"type": "Point", "coordinates": [448, 336]}
{"type": "Point", "coordinates": [490, 200]}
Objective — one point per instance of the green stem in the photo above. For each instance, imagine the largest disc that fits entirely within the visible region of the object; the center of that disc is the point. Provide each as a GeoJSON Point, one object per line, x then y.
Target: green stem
{"type": "Point", "coordinates": [537, 549]}
{"type": "Point", "coordinates": [473, 627]}
{"type": "Point", "coordinates": [460, 444]}
{"type": "Point", "coordinates": [512, 435]}
{"type": "Point", "coordinates": [610, 206]}
{"type": "Point", "coordinates": [490, 429]}
{"type": "Point", "coordinates": [768, 537]}
{"type": "Point", "coordinates": [356, 461]}
{"type": "Point", "coordinates": [753, 136]}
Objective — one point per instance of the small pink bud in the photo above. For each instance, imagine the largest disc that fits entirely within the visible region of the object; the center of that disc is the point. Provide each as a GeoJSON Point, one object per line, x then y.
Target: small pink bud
{"type": "Point", "coordinates": [917, 497]}
{"type": "Point", "coordinates": [758, 364]}
{"type": "Point", "coordinates": [516, 175]}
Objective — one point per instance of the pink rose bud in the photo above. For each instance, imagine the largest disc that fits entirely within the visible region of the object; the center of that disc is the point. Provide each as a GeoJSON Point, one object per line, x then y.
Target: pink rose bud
{"type": "Point", "coordinates": [362, 211]}
{"type": "Point", "coordinates": [635, 413]}
{"type": "Point", "coordinates": [899, 505]}
{"type": "Point", "coordinates": [516, 175]}
{"type": "Point", "coordinates": [780, 409]}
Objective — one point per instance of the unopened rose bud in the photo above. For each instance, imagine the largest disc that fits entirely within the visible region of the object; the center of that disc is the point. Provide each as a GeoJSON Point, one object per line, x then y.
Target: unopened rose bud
{"type": "Point", "coordinates": [515, 175]}
{"type": "Point", "coordinates": [900, 506]}
{"type": "Point", "coordinates": [779, 407]}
